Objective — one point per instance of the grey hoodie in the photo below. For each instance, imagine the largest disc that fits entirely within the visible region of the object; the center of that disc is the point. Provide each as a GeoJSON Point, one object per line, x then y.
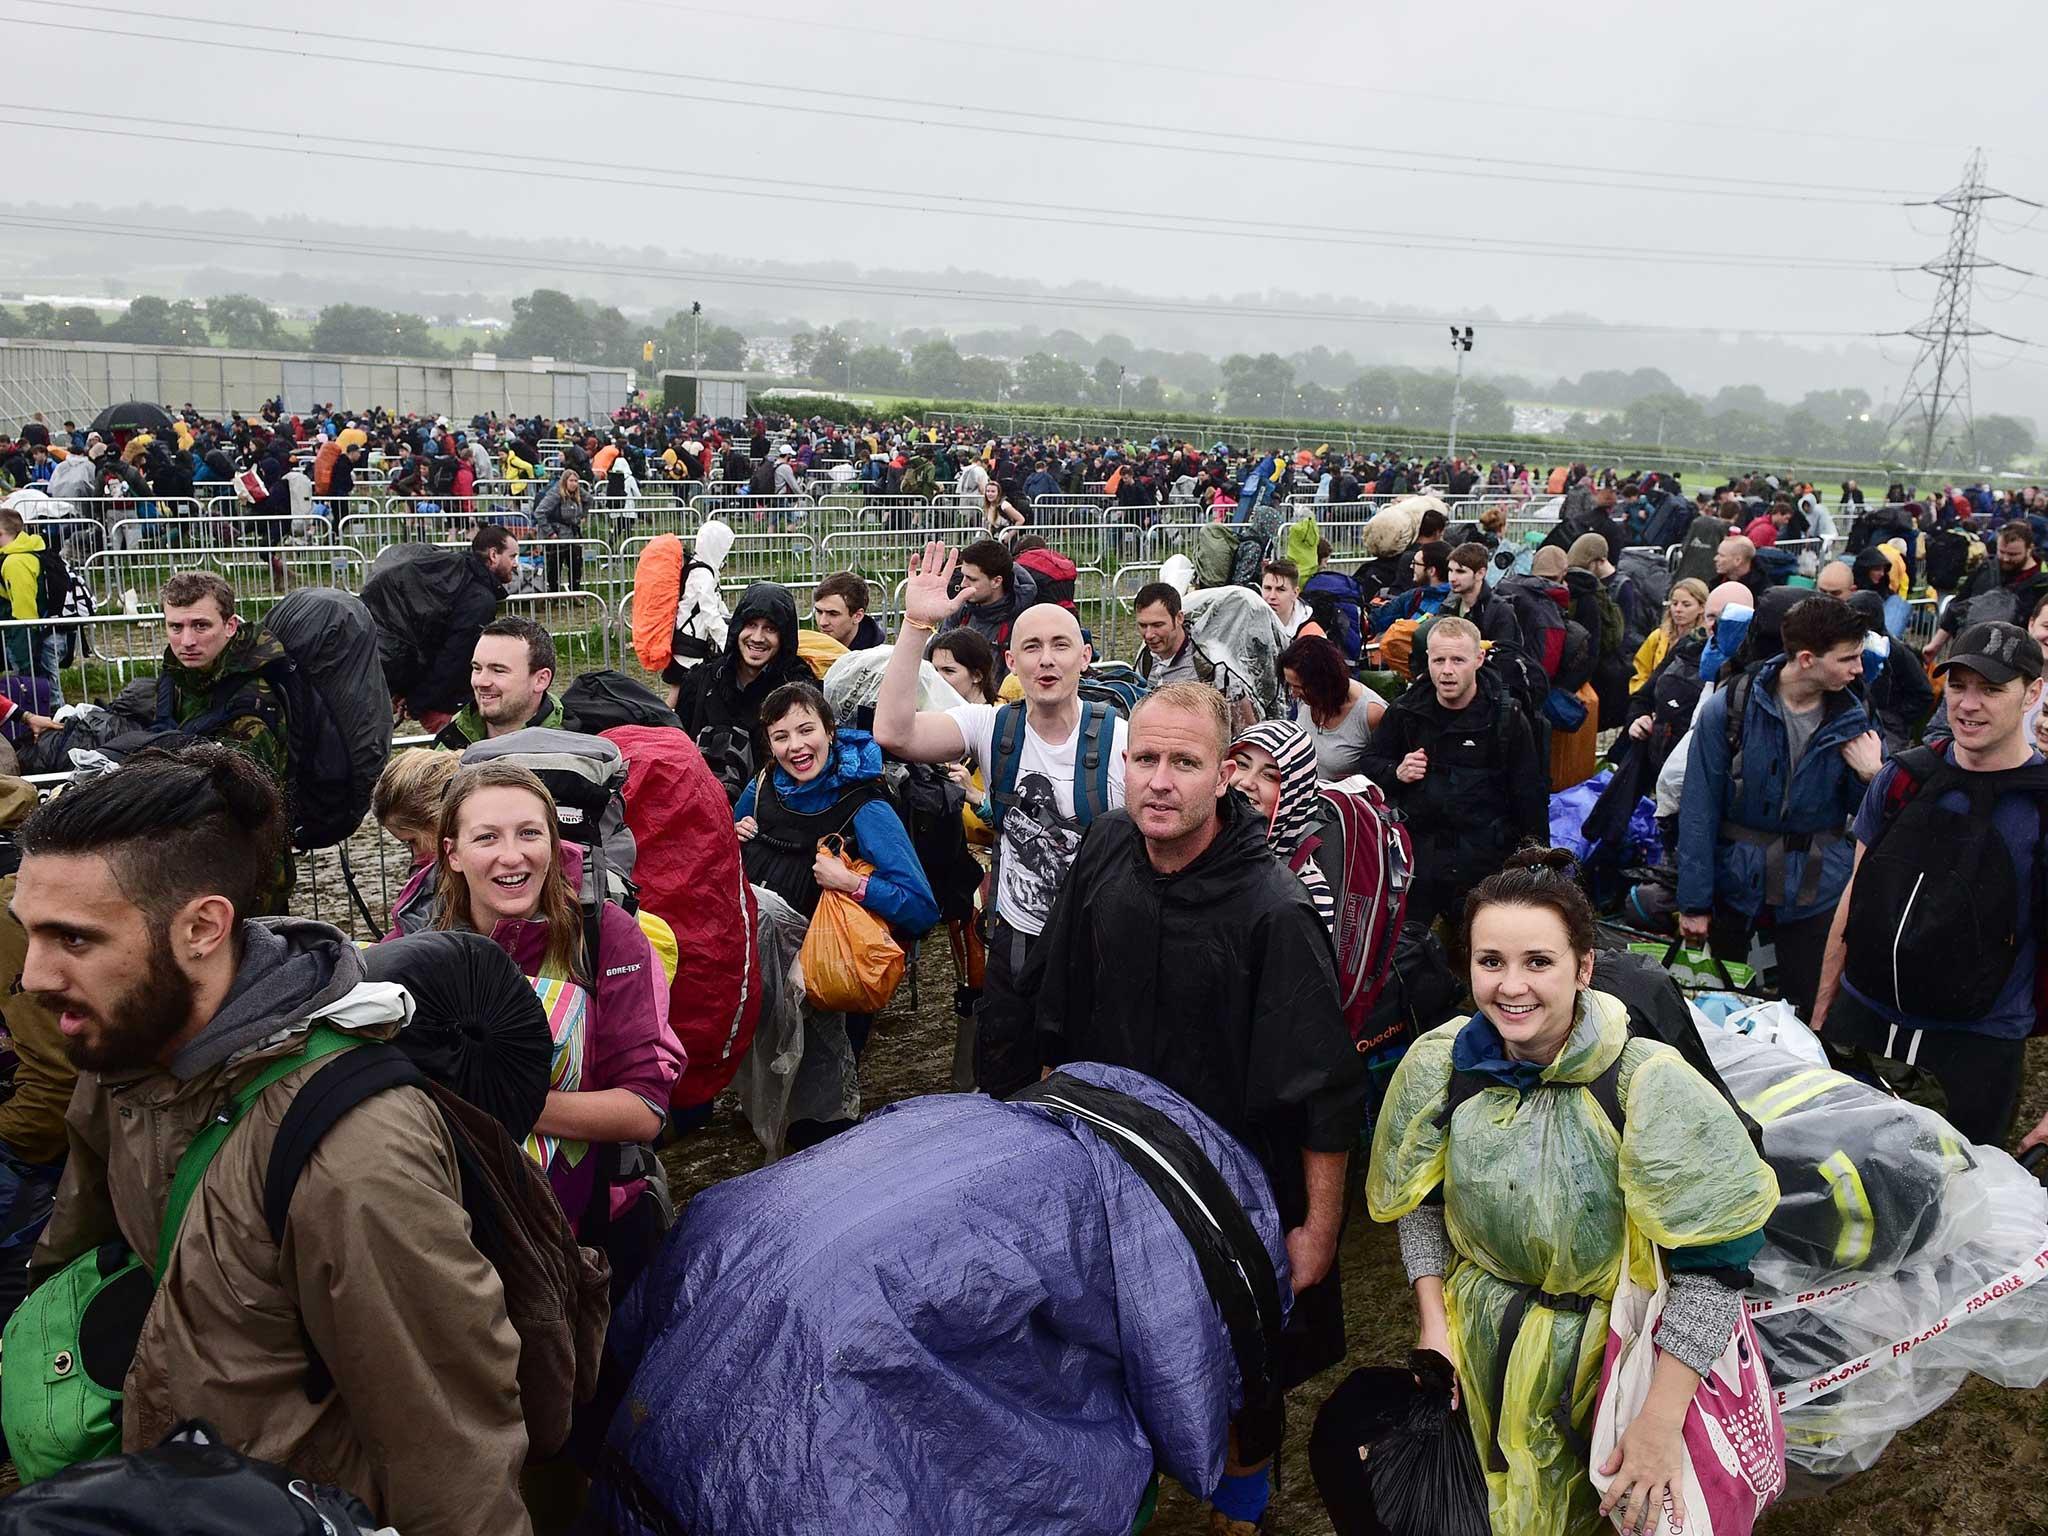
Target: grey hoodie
{"type": "Point", "coordinates": [291, 967]}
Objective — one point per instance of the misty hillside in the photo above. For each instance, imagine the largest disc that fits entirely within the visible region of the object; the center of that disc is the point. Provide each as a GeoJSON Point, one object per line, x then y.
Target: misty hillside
{"type": "Point", "coordinates": [300, 265]}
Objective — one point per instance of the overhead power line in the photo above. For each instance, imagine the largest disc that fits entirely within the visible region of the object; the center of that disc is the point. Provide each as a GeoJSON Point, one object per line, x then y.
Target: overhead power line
{"type": "Point", "coordinates": [326, 49]}
{"type": "Point", "coordinates": [943, 204]}
{"type": "Point", "coordinates": [1182, 69]}
{"type": "Point", "coordinates": [1335, 320]}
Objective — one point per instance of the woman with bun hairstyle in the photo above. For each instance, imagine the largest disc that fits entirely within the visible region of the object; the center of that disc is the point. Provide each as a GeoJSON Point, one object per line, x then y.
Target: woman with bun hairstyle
{"type": "Point", "coordinates": [1528, 1153]}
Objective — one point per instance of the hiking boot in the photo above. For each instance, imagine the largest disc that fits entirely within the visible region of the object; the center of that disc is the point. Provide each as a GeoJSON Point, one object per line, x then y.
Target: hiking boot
{"type": "Point", "coordinates": [1221, 1524]}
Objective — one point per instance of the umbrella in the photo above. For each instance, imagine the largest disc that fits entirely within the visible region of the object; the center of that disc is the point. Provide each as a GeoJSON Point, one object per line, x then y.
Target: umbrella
{"type": "Point", "coordinates": [477, 1027]}
{"type": "Point", "coordinates": [132, 416]}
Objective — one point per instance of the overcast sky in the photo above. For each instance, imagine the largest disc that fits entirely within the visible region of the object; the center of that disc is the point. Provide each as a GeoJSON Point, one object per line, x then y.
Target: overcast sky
{"type": "Point", "coordinates": [1345, 122]}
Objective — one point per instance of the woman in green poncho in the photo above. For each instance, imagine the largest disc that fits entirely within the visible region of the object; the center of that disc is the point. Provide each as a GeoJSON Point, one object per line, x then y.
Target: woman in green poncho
{"type": "Point", "coordinates": [1528, 1153]}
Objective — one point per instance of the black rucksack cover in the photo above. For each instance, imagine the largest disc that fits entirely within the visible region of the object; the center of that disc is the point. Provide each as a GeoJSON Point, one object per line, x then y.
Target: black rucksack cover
{"type": "Point", "coordinates": [1657, 1010]}
{"type": "Point", "coordinates": [412, 588]}
{"type": "Point", "coordinates": [599, 700]}
{"type": "Point", "coordinates": [1696, 555]}
{"type": "Point", "coordinates": [477, 1024]}
{"type": "Point", "coordinates": [191, 1485]}
{"type": "Point", "coordinates": [53, 581]}
{"type": "Point", "coordinates": [1948, 559]}
{"type": "Point", "coordinates": [337, 711]}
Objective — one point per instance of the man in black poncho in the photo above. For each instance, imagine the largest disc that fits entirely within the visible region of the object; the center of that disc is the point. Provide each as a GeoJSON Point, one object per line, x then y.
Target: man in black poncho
{"type": "Point", "coordinates": [1181, 948]}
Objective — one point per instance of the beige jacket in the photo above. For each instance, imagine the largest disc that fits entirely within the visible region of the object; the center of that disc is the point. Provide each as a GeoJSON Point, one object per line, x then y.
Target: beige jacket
{"type": "Point", "coordinates": [376, 1267]}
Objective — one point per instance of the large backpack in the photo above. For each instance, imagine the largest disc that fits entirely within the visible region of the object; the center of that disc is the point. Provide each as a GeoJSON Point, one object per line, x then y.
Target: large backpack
{"type": "Point", "coordinates": [1214, 554]}
{"type": "Point", "coordinates": [410, 592]}
{"type": "Point", "coordinates": [53, 581]}
{"type": "Point", "coordinates": [1923, 938]}
{"type": "Point", "coordinates": [1334, 599]}
{"type": "Point", "coordinates": [1696, 555]}
{"type": "Point", "coordinates": [1095, 739]}
{"type": "Point", "coordinates": [687, 867]}
{"type": "Point", "coordinates": [1117, 684]}
{"type": "Point", "coordinates": [557, 1292]}
{"type": "Point", "coordinates": [1362, 846]}
{"type": "Point", "coordinates": [1055, 574]}
{"type": "Point", "coordinates": [599, 700]}
{"type": "Point", "coordinates": [586, 778]}
{"type": "Point", "coordinates": [761, 480]}
{"type": "Point", "coordinates": [1947, 559]}
{"type": "Point", "coordinates": [658, 577]}
{"type": "Point", "coordinates": [337, 712]}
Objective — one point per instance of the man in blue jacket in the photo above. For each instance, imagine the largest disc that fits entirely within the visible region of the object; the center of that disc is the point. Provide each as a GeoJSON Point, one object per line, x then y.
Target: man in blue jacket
{"type": "Point", "coordinates": [1778, 765]}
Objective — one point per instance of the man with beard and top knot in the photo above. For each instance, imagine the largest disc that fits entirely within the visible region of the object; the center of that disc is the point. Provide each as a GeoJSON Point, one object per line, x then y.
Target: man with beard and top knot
{"type": "Point", "coordinates": [1053, 765]}
{"type": "Point", "coordinates": [1181, 948]}
{"type": "Point", "coordinates": [136, 892]}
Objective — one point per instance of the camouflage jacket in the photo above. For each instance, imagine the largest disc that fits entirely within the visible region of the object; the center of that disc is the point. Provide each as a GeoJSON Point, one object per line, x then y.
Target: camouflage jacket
{"type": "Point", "coordinates": [255, 722]}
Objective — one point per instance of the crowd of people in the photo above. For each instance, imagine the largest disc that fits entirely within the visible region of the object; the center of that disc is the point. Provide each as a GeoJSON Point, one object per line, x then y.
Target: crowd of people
{"type": "Point", "coordinates": [1127, 854]}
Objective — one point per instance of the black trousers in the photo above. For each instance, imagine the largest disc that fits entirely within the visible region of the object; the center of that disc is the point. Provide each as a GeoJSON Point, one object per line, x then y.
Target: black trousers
{"type": "Point", "coordinates": [1006, 1054]}
{"type": "Point", "coordinates": [1800, 947]}
{"type": "Point", "coordinates": [1981, 1075]}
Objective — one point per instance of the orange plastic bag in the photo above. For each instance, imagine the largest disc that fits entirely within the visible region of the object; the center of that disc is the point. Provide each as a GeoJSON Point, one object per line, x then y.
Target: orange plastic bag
{"type": "Point", "coordinates": [851, 963]}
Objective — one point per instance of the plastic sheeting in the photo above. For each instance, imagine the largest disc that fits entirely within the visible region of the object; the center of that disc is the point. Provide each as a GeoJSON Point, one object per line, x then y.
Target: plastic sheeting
{"type": "Point", "coordinates": [854, 682]}
{"type": "Point", "coordinates": [962, 1315]}
{"type": "Point", "coordinates": [1238, 632]}
{"type": "Point", "coordinates": [1868, 1184]}
{"type": "Point", "coordinates": [801, 1066]}
{"type": "Point", "coordinates": [1959, 1285]}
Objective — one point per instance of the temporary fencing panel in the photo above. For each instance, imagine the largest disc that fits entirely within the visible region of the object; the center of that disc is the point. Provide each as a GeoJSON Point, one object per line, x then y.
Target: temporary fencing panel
{"type": "Point", "coordinates": [251, 569]}
{"type": "Point", "coordinates": [882, 555]}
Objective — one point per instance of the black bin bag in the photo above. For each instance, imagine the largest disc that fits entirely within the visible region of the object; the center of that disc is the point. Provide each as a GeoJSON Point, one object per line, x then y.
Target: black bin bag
{"type": "Point", "coordinates": [1392, 1457]}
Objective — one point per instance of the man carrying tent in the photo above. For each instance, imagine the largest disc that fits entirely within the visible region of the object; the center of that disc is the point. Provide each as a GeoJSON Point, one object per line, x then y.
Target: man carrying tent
{"type": "Point", "coordinates": [1181, 948]}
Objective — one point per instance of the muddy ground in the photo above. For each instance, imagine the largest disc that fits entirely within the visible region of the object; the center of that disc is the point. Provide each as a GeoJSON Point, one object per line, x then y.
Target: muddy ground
{"type": "Point", "coordinates": [1976, 1467]}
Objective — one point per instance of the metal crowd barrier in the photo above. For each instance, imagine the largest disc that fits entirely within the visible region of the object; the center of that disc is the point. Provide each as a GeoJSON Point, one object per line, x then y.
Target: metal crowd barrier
{"type": "Point", "coordinates": [248, 568]}
{"type": "Point", "coordinates": [881, 555]}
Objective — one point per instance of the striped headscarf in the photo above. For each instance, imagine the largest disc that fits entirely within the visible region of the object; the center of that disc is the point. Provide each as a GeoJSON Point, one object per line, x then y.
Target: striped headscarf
{"type": "Point", "coordinates": [1296, 812]}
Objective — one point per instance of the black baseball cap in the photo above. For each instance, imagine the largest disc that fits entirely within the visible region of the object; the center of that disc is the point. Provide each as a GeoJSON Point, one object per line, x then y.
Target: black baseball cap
{"type": "Point", "coordinates": [1996, 652]}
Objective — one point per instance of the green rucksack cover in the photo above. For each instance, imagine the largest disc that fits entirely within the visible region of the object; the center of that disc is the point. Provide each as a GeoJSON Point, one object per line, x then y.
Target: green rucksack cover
{"type": "Point", "coordinates": [67, 1349]}
{"type": "Point", "coordinates": [1214, 554]}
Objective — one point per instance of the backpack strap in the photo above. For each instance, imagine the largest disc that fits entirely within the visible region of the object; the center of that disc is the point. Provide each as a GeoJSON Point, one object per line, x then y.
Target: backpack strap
{"type": "Point", "coordinates": [1304, 851]}
{"type": "Point", "coordinates": [1738, 711]}
{"type": "Point", "coordinates": [1606, 1092]}
{"type": "Point", "coordinates": [1006, 748]}
{"type": "Point", "coordinates": [315, 1109]}
{"type": "Point", "coordinates": [321, 1040]}
{"type": "Point", "coordinates": [1091, 761]}
{"type": "Point", "coordinates": [1235, 1267]}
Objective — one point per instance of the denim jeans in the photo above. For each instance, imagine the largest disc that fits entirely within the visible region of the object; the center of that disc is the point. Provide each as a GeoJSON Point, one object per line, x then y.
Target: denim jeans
{"type": "Point", "coordinates": [27, 1191]}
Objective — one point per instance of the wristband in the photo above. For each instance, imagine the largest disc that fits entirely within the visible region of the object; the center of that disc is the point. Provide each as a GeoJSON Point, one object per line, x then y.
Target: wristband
{"type": "Point", "coordinates": [860, 892]}
{"type": "Point", "coordinates": [929, 629]}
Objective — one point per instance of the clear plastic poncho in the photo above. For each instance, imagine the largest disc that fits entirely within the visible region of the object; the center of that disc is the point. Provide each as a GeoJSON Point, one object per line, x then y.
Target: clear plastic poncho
{"type": "Point", "coordinates": [1238, 632]}
{"type": "Point", "coordinates": [1537, 1192]}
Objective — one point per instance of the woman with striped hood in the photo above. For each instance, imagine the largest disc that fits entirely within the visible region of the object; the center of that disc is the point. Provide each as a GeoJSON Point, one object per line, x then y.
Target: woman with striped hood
{"type": "Point", "coordinates": [1273, 764]}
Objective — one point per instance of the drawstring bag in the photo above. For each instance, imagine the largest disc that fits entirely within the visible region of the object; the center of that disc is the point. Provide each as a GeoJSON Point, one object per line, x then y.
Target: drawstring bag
{"type": "Point", "coordinates": [1733, 1442]}
{"type": "Point", "coordinates": [850, 962]}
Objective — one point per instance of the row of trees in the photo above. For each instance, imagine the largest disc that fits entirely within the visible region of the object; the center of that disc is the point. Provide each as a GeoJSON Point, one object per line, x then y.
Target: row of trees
{"type": "Point", "coordinates": [545, 323]}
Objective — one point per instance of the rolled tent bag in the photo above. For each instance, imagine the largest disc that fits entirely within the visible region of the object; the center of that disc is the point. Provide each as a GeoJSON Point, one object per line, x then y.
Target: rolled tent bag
{"type": "Point", "coordinates": [477, 1028]}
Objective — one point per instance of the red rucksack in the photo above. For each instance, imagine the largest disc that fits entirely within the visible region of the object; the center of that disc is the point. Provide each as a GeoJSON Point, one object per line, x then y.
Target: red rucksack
{"type": "Point", "coordinates": [1055, 575]}
{"type": "Point", "coordinates": [687, 869]}
{"type": "Point", "coordinates": [1363, 848]}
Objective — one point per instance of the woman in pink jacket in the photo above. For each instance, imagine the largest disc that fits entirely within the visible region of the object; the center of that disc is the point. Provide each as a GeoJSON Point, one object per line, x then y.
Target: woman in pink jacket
{"type": "Point", "coordinates": [503, 871]}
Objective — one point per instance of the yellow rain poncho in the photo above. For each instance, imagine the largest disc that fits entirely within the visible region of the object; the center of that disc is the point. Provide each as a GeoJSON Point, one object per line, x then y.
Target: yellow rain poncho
{"type": "Point", "coordinates": [1537, 1197]}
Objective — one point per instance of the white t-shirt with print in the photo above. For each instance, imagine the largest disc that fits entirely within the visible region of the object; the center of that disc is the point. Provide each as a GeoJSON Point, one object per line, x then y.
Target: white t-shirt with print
{"type": "Point", "coordinates": [1041, 833]}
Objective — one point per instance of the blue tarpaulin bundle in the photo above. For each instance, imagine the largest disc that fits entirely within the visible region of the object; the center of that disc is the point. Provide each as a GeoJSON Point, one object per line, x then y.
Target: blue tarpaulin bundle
{"type": "Point", "coordinates": [963, 1315]}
